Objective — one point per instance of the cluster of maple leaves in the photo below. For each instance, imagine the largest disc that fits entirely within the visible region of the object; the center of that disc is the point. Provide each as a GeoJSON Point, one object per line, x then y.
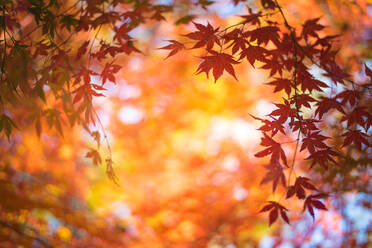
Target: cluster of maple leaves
{"type": "Point", "coordinates": [288, 54]}
{"type": "Point", "coordinates": [285, 52]}
{"type": "Point", "coordinates": [46, 61]}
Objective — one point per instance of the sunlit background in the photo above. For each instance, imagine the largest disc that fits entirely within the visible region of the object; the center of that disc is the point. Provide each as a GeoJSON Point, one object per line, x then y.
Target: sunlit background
{"type": "Point", "coordinates": [183, 151]}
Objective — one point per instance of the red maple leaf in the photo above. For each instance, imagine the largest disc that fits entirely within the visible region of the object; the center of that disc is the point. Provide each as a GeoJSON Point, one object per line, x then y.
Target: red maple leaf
{"type": "Point", "coordinates": [253, 53]}
{"type": "Point", "coordinates": [322, 157]}
{"type": "Point", "coordinates": [284, 111]}
{"type": "Point", "coordinates": [282, 84]}
{"type": "Point", "coordinates": [109, 71]}
{"type": "Point", "coordinates": [175, 47]}
{"type": "Point", "coordinates": [218, 62]}
{"type": "Point", "coordinates": [274, 66]}
{"type": "Point", "coordinates": [302, 100]}
{"type": "Point", "coordinates": [311, 84]}
{"type": "Point", "coordinates": [275, 174]}
{"type": "Point", "coordinates": [206, 36]}
{"type": "Point", "coordinates": [311, 202]}
{"type": "Point", "coordinates": [264, 35]}
{"type": "Point", "coordinates": [356, 137]}
{"type": "Point", "coordinates": [313, 141]}
{"type": "Point", "coordinates": [274, 148]}
{"type": "Point", "coordinates": [86, 74]}
{"type": "Point", "coordinates": [326, 104]}
{"type": "Point", "coordinates": [82, 50]}
{"type": "Point", "coordinates": [336, 73]}
{"type": "Point", "coordinates": [307, 125]}
{"type": "Point", "coordinates": [275, 209]}
{"type": "Point", "coordinates": [237, 40]}
{"type": "Point", "coordinates": [87, 91]}
{"type": "Point", "coordinates": [349, 96]}
{"type": "Point", "coordinates": [270, 126]}
{"type": "Point", "coordinates": [357, 116]}
{"type": "Point", "coordinates": [252, 18]}
{"type": "Point", "coordinates": [299, 188]}
{"type": "Point", "coordinates": [121, 33]}
{"type": "Point", "coordinates": [311, 27]}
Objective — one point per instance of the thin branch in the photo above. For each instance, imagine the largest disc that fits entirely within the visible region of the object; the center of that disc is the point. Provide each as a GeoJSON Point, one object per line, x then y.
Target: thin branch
{"type": "Point", "coordinates": [293, 37]}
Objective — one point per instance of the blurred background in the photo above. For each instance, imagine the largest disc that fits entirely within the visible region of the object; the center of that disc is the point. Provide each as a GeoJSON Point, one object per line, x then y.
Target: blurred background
{"type": "Point", "coordinates": [183, 151]}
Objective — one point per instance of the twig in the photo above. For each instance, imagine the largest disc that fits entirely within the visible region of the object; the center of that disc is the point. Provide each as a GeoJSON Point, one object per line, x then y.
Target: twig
{"type": "Point", "coordinates": [293, 36]}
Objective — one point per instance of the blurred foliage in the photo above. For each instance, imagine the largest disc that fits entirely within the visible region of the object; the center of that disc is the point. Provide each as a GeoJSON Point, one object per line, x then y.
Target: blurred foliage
{"type": "Point", "coordinates": [179, 147]}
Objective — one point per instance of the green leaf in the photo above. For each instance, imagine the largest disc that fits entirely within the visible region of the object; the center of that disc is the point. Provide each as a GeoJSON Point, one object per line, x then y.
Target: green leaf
{"type": "Point", "coordinates": [6, 125]}
{"type": "Point", "coordinates": [69, 21]}
{"type": "Point", "coordinates": [185, 19]}
{"type": "Point", "coordinates": [40, 92]}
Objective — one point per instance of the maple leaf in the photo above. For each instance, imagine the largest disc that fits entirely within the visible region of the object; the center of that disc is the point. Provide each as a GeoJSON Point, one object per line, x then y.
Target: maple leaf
{"type": "Point", "coordinates": [275, 174]}
{"type": "Point", "coordinates": [302, 100]}
{"type": "Point", "coordinates": [356, 137]}
{"type": "Point", "coordinates": [206, 36]}
{"type": "Point", "coordinates": [93, 153]}
{"type": "Point", "coordinates": [121, 33]}
{"type": "Point", "coordinates": [238, 41]}
{"type": "Point", "coordinates": [357, 116]}
{"type": "Point", "coordinates": [311, 84]}
{"type": "Point", "coordinates": [349, 96]}
{"type": "Point", "coordinates": [53, 117]}
{"type": "Point", "coordinates": [185, 19]}
{"type": "Point", "coordinates": [159, 10]}
{"type": "Point", "coordinates": [264, 35]}
{"type": "Point", "coordinates": [87, 91]}
{"type": "Point", "coordinates": [109, 71]}
{"type": "Point", "coordinates": [252, 18]}
{"type": "Point", "coordinates": [274, 66]}
{"type": "Point", "coordinates": [336, 73]}
{"type": "Point", "coordinates": [312, 141]}
{"type": "Point", "coordinates": [218, 62]}
{"type": "Point", "coordinates": [298, 188]}
{"type": "Point", "coordinates": [82, 50]}
{"type": "Point", "coordinates": [175, 47]}
{"type": "Point", "coordinates": [311, 27]}
{"type": "Point", "coordinates": [282, 84]}
{"type": "Point", "coordinates": [284, 111]}
{"type": "Point", "coordinates": [85, 74]}
{"type": "Point", "coordinates": [307, 125]}
{"type": "Point", "coordinates": [274, 209]}
{"type": "Point", "coordinates": [97, 137]}
{"type": "Point", "coordinates": [6, 125]}
{"type": "Point", "coordinates": [326, 104]}
{"type": "Point", "coordinates": [270, 126]}
{"type": "Point", "coordinates": [325, 41]}
{"type": "Point", "coordinates": [311, 202]}
{"type": "Point", "coordinates": [253, 53]}
{"type": "Point", "coordinates": [274, 148]}
{"type": "Point", "coordinates": [110, 171]}
{"type": "Point", "coordinates": [322, 157]}
{"type": "Point", "coordinates": [307, 81]}
{"type": "Point", "coordinates": [327, 57]}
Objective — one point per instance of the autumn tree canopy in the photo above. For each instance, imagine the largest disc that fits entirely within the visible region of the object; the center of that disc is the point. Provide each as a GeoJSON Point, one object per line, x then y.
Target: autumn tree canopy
{"type": "Point", "coordinates": [185, 123]}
